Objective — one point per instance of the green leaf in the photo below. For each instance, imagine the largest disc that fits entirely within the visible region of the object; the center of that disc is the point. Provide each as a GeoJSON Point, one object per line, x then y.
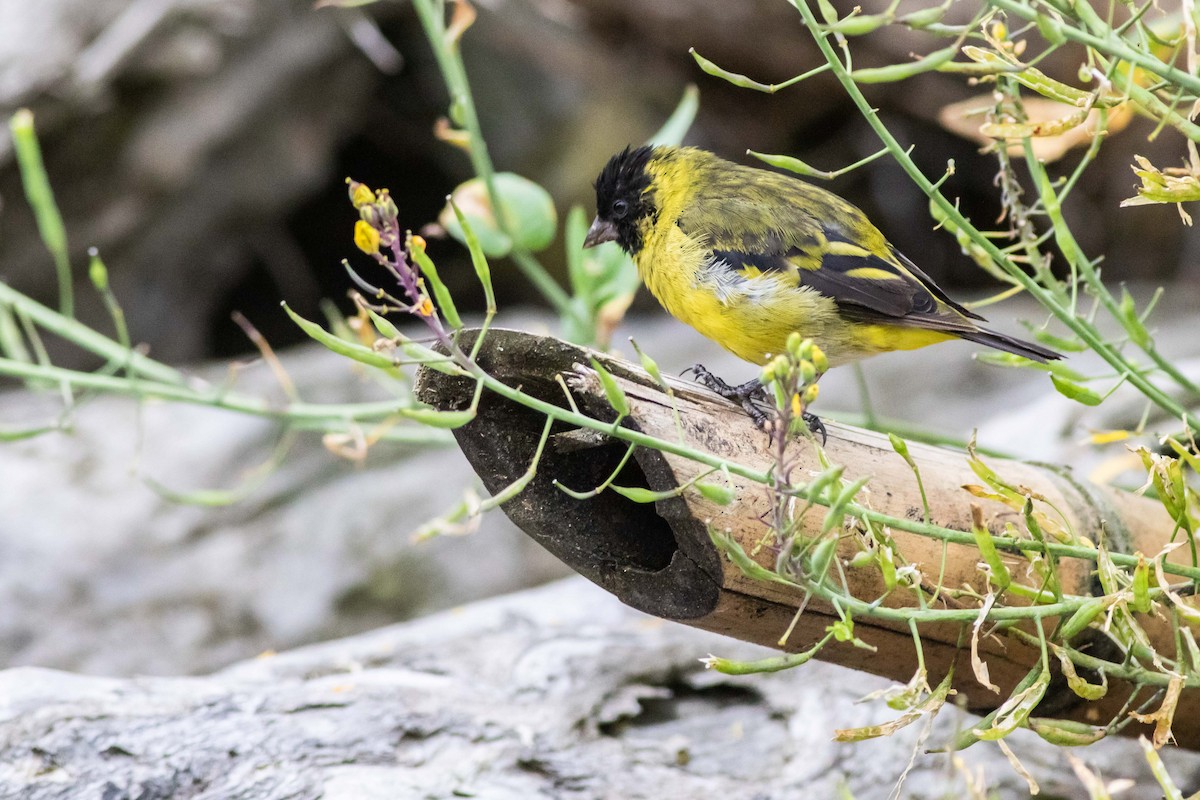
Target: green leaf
{"type": "Point", "coordinates": [353, 350]}
{"type": "Point", "coordinates": [1073, 391]}
{"type": "Point", "coordinates": [528, 211]}
{"type": "Point", "coordinates": [842, 630]}
{"type": "Point", "coordinates": [1013, 713]}
{"type": "Point", "coordinates": [41, 199]}
{"type": "Point", "coordinates": [437, 419]}
{"type": "Point", "coordinates": [748, 566]}
{"type": "Point", "coordinates": [1059, 342]}
{"type": "Point", "coordinates": [445, 302]}
{"type": "Point", "coordinates": [479, 261]}
{"type": "Point", "coordinates": [998, 572]}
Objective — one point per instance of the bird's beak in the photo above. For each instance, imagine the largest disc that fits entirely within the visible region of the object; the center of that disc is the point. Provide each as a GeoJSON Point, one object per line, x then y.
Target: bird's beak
{"type": "Point", "coordinates": [601, 231]}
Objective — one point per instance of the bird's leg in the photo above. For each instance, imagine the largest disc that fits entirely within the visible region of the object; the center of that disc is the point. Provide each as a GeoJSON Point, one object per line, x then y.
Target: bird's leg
{"type": "Point", "coordinates": [744, 394]}
{"type": "Point", "coordinates": [751, 396]}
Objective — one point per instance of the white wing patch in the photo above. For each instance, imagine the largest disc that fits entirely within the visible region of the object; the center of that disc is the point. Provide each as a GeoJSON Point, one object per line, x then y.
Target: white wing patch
{"type": "Point", "coordinates": [730, 286]}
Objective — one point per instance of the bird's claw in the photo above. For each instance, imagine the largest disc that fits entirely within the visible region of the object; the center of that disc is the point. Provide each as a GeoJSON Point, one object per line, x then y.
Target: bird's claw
{"type": "Point", "coordinates": [752, 397]}
{"type": "Point", "coordinates": [815, 426]}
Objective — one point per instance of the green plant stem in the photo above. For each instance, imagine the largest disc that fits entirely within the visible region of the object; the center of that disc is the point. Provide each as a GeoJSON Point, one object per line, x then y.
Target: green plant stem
{"type": "Point", "coordinates": [1094, 38]}
{"type": "Point", "coordinates": [91, 340]}
{"type": "Point", "coordinates": [1083, 329]}
{"type": "Point", "coordinates": [215, 398]}
{"type": "Point", "coordinates": [41, 199]}
{"type": "Point", "coordinates": [1150, 101]}
{"type": "Point", "coordinates": [454, 73]}
{"type": "Point", "coordinates": [858, 607]}
{"type": "Point", "coordinates": [1074, 253]}
{"type": "Point", "coordinates": [1007, 543]}
{"type": "Point", "coordinates": [1080, 659]}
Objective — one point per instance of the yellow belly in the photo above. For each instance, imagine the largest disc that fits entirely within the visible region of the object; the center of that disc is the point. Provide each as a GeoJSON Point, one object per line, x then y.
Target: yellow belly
{"type": "Point", "coordinates": [753, 319]}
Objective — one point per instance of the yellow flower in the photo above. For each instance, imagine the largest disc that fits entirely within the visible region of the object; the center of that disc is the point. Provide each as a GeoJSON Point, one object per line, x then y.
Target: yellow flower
{"type": "Point", "coordinates": [417, 242]}
{"type": "Point", "coordinates": [366, 237]}
{"type": "Point", "coordinates": [425, 308]}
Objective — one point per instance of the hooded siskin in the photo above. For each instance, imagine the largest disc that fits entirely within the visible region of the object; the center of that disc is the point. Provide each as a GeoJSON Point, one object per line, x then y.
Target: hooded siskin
{"type": "Point", "coordinates": [746, 256]}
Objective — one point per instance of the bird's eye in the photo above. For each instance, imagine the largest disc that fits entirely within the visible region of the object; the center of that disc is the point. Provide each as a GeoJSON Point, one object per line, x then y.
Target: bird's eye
{"type": "Point", "coordinates": [620, 208]}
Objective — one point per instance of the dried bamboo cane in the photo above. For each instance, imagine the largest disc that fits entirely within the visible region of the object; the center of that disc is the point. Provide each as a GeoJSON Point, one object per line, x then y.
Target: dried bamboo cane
{"type": "Point", "coordinates": [659, 558]}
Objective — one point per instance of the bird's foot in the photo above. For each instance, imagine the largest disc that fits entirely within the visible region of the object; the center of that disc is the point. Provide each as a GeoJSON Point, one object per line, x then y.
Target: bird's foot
{"type": "Point", "coordinates": [751, 395]}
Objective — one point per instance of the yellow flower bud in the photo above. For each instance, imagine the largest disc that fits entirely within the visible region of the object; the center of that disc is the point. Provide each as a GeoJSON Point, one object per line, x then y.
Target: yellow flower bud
{"type": "Point", "coordinates": [360, 194]}
{"type": "Point", "coordinates": [370, 215]}
{"type": "Point", "coordinates": [819, 359]}
{"type": "Point", "coordinates": [797, 406]}
{"type": "Point", "coordinates": [793, 342]}
{"type": "Point", "coordinates": [366, 238]}
{"type": "Point", "coordinates": [808, 373]}
{"type": "Point", "coordinates": [425, 307]}
{"type": "Point", "coordinates": [416, 242]}
{"type": "Point", "coordinates": [809, 396]}
{"type": "Point", "coordinates": [387, 205]}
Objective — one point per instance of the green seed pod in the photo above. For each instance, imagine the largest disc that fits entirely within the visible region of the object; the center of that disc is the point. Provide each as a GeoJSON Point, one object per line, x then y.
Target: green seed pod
{"type": "Point", "coordinates": [1065, 732]}
{"type": "Point", "coordinates": [822, 556]}
{"type": "Point", "coordinates": [1082, 617]}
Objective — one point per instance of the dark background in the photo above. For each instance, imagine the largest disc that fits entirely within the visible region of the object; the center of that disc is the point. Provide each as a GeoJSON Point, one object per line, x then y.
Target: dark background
{"type": "Point", "coordinates": [205, 152]}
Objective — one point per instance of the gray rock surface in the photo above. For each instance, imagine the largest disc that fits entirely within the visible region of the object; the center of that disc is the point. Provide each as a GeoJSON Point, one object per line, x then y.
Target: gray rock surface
{"type": "Point", "coordinates": [557, 692]}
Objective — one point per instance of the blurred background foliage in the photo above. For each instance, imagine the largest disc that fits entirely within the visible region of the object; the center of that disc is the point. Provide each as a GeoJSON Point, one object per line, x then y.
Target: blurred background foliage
{"type": "Point", "coordinates": [201, 144]}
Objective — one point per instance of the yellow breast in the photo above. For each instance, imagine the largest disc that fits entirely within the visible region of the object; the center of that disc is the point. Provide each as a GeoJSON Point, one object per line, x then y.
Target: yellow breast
{"type": "Point", "coordinates": [752, 314]}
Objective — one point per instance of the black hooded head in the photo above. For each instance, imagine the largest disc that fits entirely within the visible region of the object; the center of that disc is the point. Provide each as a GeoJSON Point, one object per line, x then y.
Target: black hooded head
{"type": "Point", "coordinates": [623, 197]}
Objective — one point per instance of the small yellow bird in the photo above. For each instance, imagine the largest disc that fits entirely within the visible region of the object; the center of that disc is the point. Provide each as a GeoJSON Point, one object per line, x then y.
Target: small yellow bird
{"type": "Point", "coordinates": [746, 256]}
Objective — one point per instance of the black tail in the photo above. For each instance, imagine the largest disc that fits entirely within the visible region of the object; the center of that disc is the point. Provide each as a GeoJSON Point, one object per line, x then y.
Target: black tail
{"type": "Point", "coordinates": [1009, 344]}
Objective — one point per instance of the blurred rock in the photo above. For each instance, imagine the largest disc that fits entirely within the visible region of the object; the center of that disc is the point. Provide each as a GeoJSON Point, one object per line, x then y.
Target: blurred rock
{"type": "Point", "coordinates": [176, 134]}
{"type": "Point", "coordinates": [101, 574]}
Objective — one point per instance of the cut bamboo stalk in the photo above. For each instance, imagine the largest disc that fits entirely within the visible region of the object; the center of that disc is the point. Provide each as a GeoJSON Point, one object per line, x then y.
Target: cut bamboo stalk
{"type": "Point", "coordinates": [659, 558]}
